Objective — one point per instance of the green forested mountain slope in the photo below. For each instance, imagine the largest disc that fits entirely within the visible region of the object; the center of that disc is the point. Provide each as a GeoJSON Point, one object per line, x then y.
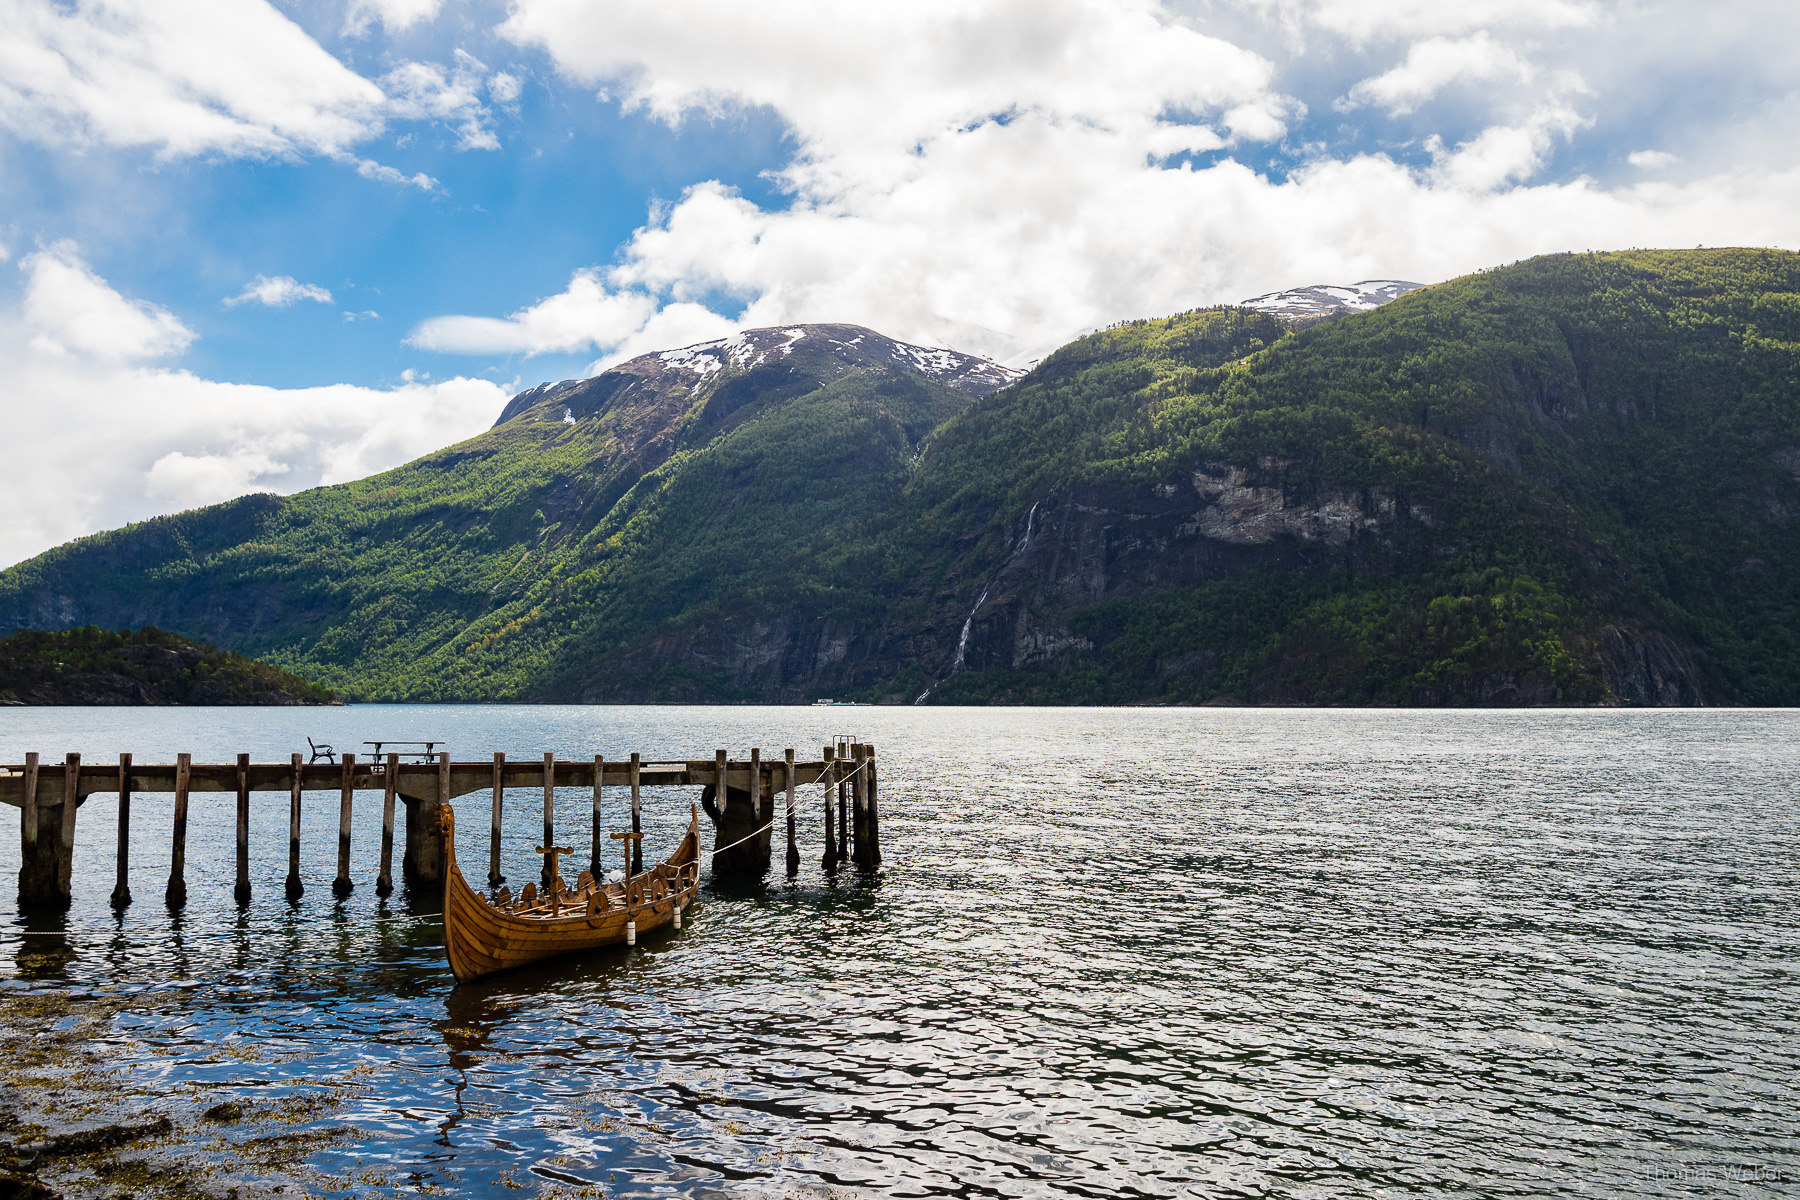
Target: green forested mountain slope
{"type": "Point", "coordinates": [1570, 480]}
{"type": "Point", "coordinates": [146, 666]}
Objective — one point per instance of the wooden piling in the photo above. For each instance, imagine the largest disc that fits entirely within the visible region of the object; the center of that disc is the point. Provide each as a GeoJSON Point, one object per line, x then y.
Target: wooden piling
{"type": "Point", "coordinates": [342, 886]}
{"type": "Point", "coordinates": [423, 862]}
{"type": "Point", "coordinates": [764, 836]}
{"type": "Point", "coordinates": [843, 799]}
{"type": "Point", "coordinates": [41, 853]}
{"type": "Point", "coordinates": [294, 888]}
{"type": "Point", "coordinates": [495, 878]}
{"type": "Point", "coordinates": [28, 806]}
{"type": "Point", "coordinates": [756, 791]}
{"type": "Point", "coordinates": [860, 793]}
{"type": "Point", "coordinates": [549, 814]}
{"type": "Point", "coordinates": [242, 891]}
{"type": "Point", "coordinates": [121, 893]}
{"type": "Point", "coordinates": [384, 880]}
{"type": "Point", "coordinates": [65, 852]}
{"type": "Point", "coordinates": [175, 895]}
{"type": "Point", "coordinates": [828, 861]}
{"type": "Point", "coordinates": [637, 821]}
{"type": "Point", "coordinates": [28, 827]}
{"type": "Point", "coordinates": [873, 819]}
{"type": "Point", "coordinates": [793, 850]}
{"type": "Point", "coordinates": [599, 775]}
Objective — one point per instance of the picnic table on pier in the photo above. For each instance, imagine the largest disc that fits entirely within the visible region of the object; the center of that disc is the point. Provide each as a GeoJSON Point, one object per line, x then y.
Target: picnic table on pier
{"type": "Point", "coordinates": [421, 754]}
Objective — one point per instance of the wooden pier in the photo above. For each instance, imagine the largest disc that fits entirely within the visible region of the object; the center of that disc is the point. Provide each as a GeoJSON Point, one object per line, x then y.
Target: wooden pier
{"type": "Point", "coordinates": [50, 795]}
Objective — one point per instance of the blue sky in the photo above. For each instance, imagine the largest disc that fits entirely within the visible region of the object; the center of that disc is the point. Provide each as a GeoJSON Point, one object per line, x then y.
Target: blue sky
{"type": "Point", "coordinates": [495, 194]}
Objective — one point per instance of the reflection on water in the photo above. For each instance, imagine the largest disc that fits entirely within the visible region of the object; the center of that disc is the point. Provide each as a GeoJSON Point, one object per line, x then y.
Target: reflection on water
{"type": "Point", "coordinates": [1150, 953]}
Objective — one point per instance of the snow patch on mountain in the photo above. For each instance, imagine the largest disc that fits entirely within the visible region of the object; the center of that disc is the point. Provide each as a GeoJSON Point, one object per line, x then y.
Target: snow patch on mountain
{"type": "Point", "coordinates": [1325, 301]}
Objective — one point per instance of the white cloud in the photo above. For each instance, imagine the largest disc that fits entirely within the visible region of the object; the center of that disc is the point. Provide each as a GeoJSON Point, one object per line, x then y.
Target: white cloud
{"type": "Point", "coordinates": [1651, 160]}
{"type": "Point", "coordinates": [1504, 154]}
{"type": "Point", "coordinates": [427, 92]}
{"type": "Point", "coordinates": [70, 310]}
{"type": "Point", "coordinates": [1433, 64]}
{"type": "Point", "coordinates": [278, 292]}
{"type": "Point", "coordinates": [504, 88]}
{"type": "Point", "coordinates": [181, 77]}
{"type": "Point", "coordinates": [394, 15]}
{"type": "Point", "coordinates": [1363, 21]}
{"type": "Point", "coordinates": [370, 169]}
{"type": "Point", "coordinates": [167, 438]}
{"type": "Point", "coordinates": [1000, 175]}
{"type": "Point", "coordinates": [584, 316]}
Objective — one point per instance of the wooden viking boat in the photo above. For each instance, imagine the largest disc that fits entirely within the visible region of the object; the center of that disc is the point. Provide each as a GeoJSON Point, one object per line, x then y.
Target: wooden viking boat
{"type": "Point", "coordinates": [482, 937]}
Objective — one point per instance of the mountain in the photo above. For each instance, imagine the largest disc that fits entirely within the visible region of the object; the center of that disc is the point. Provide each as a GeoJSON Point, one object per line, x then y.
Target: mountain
{"type": "Point", "coordinates": [97, 667]}
{"type": "Point", "coordinates": [1301, 307]}
{"type": "Point", "coordinates": [1567, 481]}
{"type": "Point", "coordinates": [816, 353]}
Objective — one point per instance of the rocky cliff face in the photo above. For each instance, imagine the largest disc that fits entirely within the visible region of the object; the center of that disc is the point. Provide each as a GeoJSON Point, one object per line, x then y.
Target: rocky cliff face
{"type": "Point", "coordinates": [1077, 549]}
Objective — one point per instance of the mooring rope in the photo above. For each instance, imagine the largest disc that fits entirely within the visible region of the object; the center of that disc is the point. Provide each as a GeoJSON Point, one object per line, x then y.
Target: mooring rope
{"type": "Point", "coordinates": [792, 807]}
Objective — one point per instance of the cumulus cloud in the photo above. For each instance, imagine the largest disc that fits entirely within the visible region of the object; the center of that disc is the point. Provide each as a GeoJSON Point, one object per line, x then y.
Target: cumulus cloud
{"type": "Point", "coordinates": [70, 310]}
{"type": "Point", "coordinates": [181, 77]}
{"type": "Point", "coordinates": [1433, 64]}
{"type": "Point", "coordinates": [82, 392]}
{"type": "Point", "coordinates": [394, 15]}
{"type": "Point", "coordinates": [1000, 175]}
{"type": "Point", "coordinates": [278, 292]}
{"type": "Point", "coordinates": [223, 77]}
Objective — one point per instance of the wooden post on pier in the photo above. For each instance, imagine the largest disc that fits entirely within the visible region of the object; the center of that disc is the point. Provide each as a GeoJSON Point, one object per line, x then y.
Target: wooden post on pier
{"type": "Point", "coordinates": [384, 879]}
{"type": "Point", "coordinates": [756, 788]}
{"type": "Point", "coordinates": [294, 889]}
{"type": "Point", "coordinates": [423, 864]}
{"type": "Point", "coordinates": [342, 886]}
{"type": "Point", "coordinates": [762, 798]}
{"type": "Point", "coordinates": [873, 819]}
{"type": "Point", "coordinates": [549, 817]}
{"type": "Point", "coordinates": [843, 798]}
{"type": "Point", "coordinates": [65, 854]}
{"type": "Point", "coordinates": [44, 858]}
{"type": "Point", "coordinates": [29, 883]}
{"type": "Point", "coordinates": [495, 878]}
{"type": "Point", "coordinates": [865, 842]}
{"type": "Point", "coordinates": [175, 895]}
{"type": "Point", "coordinates": [793, 850]}
{"type": "Point", "coordinates": [599, 774]}
{"type": "Point", "coordinates": [637, 817]}
{"type": "Point", "coordinates": [121, 893]}
{"type": "Point", "coordinates": [829, 860]}
{"type": "Point", "coordinates": [241, 893]}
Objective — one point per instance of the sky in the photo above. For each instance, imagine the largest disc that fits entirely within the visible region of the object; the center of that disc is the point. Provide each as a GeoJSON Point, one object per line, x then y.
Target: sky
{"type": "Point", "coordinates": [263, 245]}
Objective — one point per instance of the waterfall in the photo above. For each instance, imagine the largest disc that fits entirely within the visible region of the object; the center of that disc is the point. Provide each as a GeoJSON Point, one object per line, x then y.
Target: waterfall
{"type": "Point", "coordinates": [962, 641]}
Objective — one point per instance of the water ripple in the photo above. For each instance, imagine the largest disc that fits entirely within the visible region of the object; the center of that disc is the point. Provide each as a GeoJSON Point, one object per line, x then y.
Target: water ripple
{"type": "Point", "coordinates": [1141, 953]}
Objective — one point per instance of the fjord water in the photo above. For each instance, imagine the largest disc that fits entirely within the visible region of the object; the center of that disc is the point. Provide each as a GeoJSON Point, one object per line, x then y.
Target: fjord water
{"type": "Point", "coordinates": [1111, 952]}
